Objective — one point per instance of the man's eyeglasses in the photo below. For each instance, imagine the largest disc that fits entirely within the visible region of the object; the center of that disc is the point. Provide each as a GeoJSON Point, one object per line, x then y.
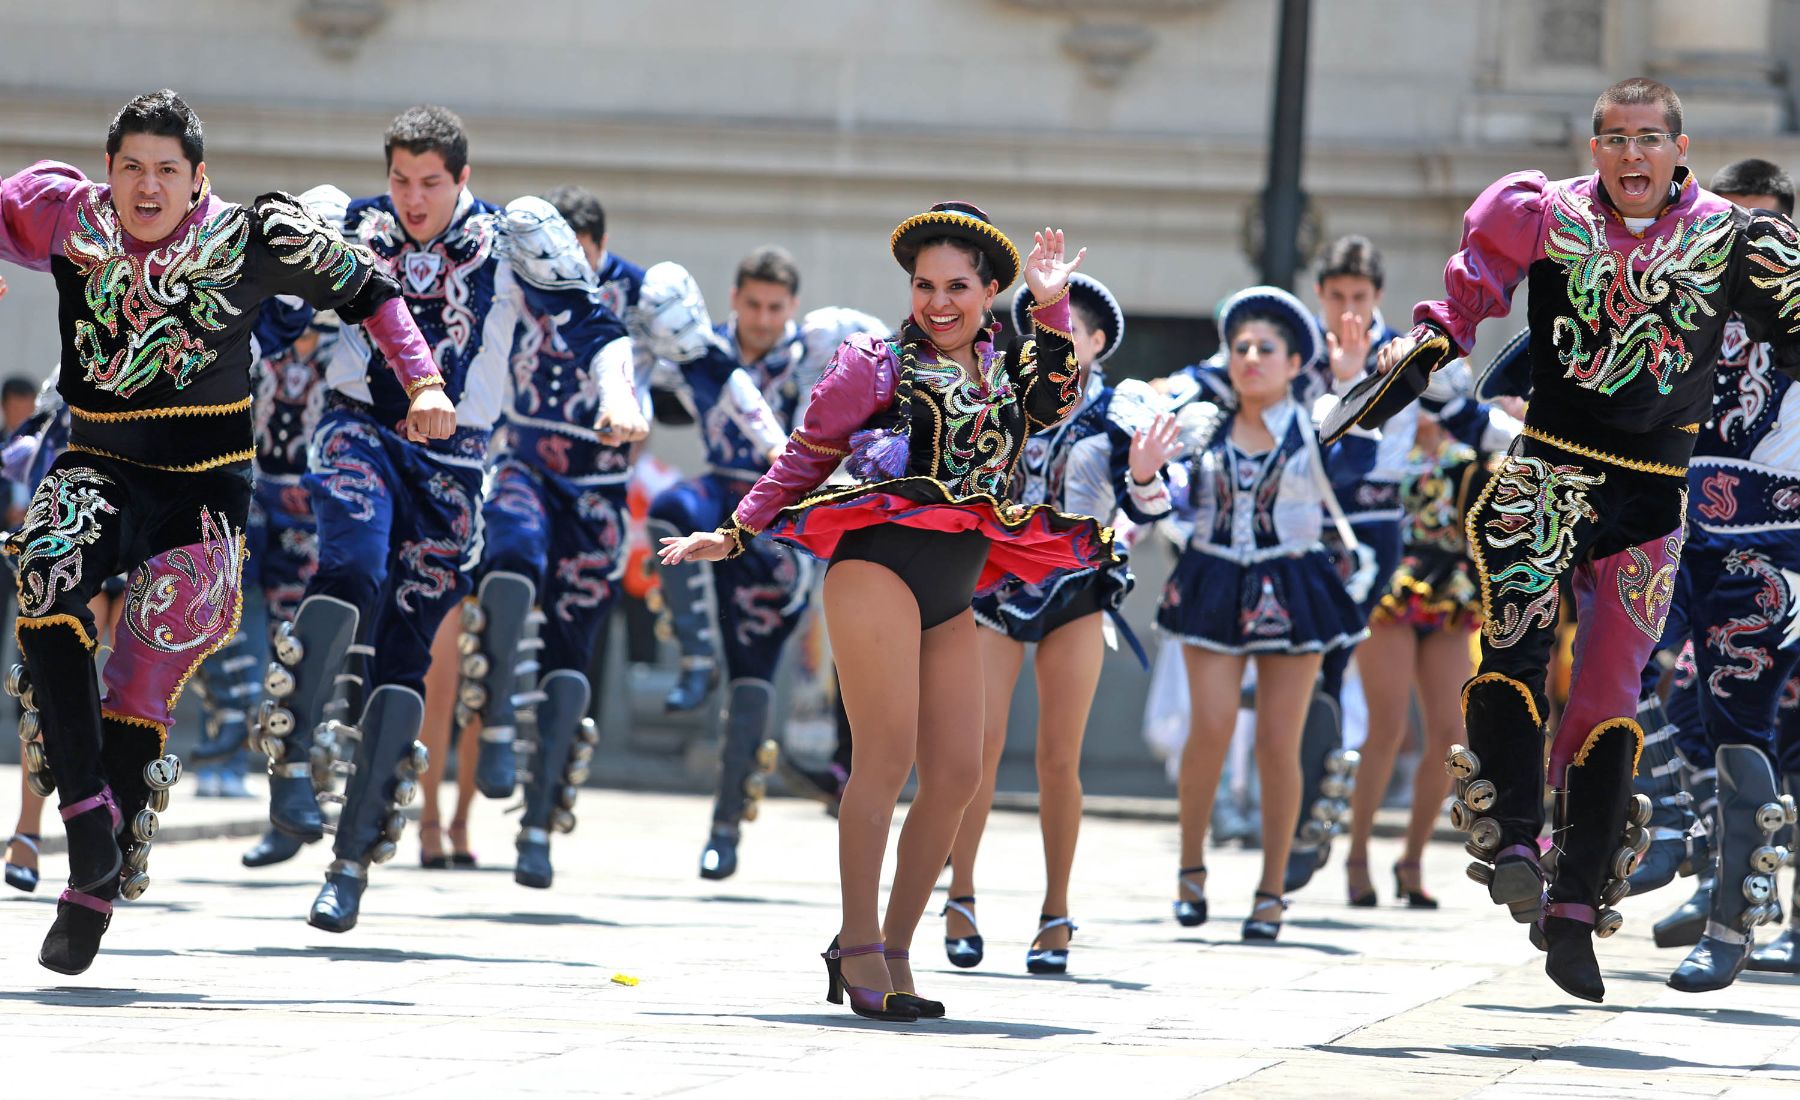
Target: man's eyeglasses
{"type": "Point", "coordinates": [1649, 143]}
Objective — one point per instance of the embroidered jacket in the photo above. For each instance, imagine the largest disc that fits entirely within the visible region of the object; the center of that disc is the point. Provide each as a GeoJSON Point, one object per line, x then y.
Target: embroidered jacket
{"type": "Point", "coordinates": [1626, 327]}
{"type": "Point", "coordinates": [743, 409]}
{"type": "Point", "coordinates": [966, 435]}
{"type": "Point", "coordinates": [156, 336]}
{"type": "Point", "coordinates": [288, 389]}
{"type": "Point", "coordinates": [1107, 419]}
{"type": "Point", "coordinates": [460, 292]}
{"type": "Point", "coordinates": [1745, 476]}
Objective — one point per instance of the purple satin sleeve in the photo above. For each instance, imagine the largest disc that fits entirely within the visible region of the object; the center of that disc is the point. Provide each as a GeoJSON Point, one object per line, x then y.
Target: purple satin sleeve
{"type": "Point", "coordinates": [1502, 235]}
{"type": "Point", "coordinates": [1054, 316]}
{"type": "Point", "coordinates": [31, 210]}
{"type": "Point", "coordinates": [858, 384]}
{"type": "Point", "coordinates": [391, 329]}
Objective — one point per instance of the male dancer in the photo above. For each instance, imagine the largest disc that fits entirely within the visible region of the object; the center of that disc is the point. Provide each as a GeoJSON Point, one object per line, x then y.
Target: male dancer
{"type": "Point", "coordinates": [396, 519]}
{"type": "Point", "coordinates": [1633, 273]}
{"type": "Point", "coordinates": [555, 527]}
{"type": "Point", "coordinates": [160, 281]}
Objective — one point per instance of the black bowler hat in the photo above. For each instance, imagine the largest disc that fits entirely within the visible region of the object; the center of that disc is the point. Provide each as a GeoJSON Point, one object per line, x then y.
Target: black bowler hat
{"type": "Point", "coordinates": [963, 220]}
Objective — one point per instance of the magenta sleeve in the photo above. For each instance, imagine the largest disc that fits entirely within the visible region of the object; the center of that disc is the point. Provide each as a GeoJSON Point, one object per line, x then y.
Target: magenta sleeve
{"type": "Point", "coordinates": [31, 209]}
{"type": "Point", "coordinates": [1502, 235]}
{"type": "Point", "coordinates": [858, 384]}
{"type": "Point", "coordinates": [391, 328]}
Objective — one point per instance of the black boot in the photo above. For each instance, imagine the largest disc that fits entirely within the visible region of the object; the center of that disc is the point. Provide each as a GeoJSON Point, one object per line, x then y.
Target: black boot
{"type": "Point", "coordinates": [747, 759]}
{"type": "Point", "coordinates": [1659, 778]}
{"type": "Point", "coordinates": [1751, 811]}
{"type": "Point", "coordinates": [1782, 954]}
{"type": "Point", "coordinates": [310, 653]}
{"type": "Point", "coordinates": [499, 674]}
{"type": "Point", "coordinates": [1327, 774]}
{"type": "Point", "coordinates": [61, 696]}
{"type": "Point", "coordinates": [1595, 854]}
{"type": "Point", "coordinates": [141, 776]}
{"type": "Point", "coordinates": [274, 847]}
{"type": "Point", "coordinates": [686, 588]}
{"type": "Point", "coordinates": [562, 746]}
{"type": "Point", "coordinates": [385, 777]}
{"type": "Point", "coordinates": [74, 938]}
{"type": "Point", "coordinates": [1499, 792]}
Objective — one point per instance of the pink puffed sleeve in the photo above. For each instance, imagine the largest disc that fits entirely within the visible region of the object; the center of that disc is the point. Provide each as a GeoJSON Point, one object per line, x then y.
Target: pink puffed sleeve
{"type": "Point", "coordinates": [858, 384]}
{"type": "Point", "coordinates": [1502, 234]}
{"type": "Point", "coordinates": [31, 209]}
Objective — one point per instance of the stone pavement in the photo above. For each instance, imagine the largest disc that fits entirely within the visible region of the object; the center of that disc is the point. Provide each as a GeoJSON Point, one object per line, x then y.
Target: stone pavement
{"type": "Point", "coordinates": [459, 983]}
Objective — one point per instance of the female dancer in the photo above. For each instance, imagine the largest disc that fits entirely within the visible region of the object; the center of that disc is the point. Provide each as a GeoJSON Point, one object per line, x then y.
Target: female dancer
{"type": "Point", "coordinates": [1422, 623]}
{"type": "Point", "coordinates": [1255, 579]}
{"type": "Point", "coordinates": [932, 423]}
{"type": "Point", "coordinates": [1108, 456]}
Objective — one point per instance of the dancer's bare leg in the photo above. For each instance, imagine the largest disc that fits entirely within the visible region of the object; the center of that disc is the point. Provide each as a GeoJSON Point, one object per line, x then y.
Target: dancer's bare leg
{"type": "Point", "coordinates": [440, 712]}
{"type": "Point", "coordinates": [1001, 660]}
{"type": "Point", "coordinates": [1390, 649]}
{"type": "Point", "coordinates": [1068, 674]}
{"type": "Point", "coordinates": [1284, 689]}
{"type": "Point", "coordinates": [1214, 683]}
{"type": "Point", "coordinates": [1444, 666]}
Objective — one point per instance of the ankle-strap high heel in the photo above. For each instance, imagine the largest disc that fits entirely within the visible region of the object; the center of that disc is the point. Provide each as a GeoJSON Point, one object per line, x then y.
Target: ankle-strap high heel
{"type": "Point", "coordinates": [1191, 913]}
{"type": "Point", "coordinates": [1415, 899]}
{"type": "Point", "coordinates": [1255, 929]}
{"type": "Point", "coordinates": [1049, 960]}
{"type": "Point", "coordinates": [963, 951]}
{"type": "Point", "coordinates": [1366, 899]}
{"type": "Point", "coordinates": [20, 877]}
{"type": "Point", "coordinates": [927, 1010]}
{"type": "Point", "coordinates": [871, 1004]}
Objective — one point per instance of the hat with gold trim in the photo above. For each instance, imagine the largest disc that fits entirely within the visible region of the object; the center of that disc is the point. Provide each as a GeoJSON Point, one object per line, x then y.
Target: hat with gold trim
{"type": "Point", "coordinates": [965, 221]}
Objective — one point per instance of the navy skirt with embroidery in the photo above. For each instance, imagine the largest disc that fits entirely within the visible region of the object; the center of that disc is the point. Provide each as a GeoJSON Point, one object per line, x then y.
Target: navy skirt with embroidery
{"type": "Point", "coordinates": [1287, 604]}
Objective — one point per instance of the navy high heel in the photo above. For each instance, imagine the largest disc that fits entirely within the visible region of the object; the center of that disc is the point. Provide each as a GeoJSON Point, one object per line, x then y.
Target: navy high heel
{"type": "Point", "coordinates": [1191, 914]}
{"type": "Point", "coordinates": [965, 951]}
{"type": "Point", "coordinates": [1049, 960]}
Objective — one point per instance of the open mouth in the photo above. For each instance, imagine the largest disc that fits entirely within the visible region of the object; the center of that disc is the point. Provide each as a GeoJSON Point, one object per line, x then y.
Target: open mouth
{"type": "Point", "coordinates": [942, 322]}
{"type": "Point", "coordinates": [147, 211]}
{"type": "Point", "coordinates": [1634, 185]}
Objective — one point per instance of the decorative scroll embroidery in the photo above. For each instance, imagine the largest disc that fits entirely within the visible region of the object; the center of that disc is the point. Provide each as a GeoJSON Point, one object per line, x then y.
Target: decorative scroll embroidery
{"type": "Point", "coordinates": [202, 578]}
{"type": "Point", "coordinates": [1538, 505]}
{"type": "Point", "coordinates": [64, 517]}
{"type": "Point", "coordinates": [1777, 607]}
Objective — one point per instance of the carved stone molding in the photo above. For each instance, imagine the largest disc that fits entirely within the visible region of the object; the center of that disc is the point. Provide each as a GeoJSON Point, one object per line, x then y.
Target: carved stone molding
{"type": "Point", "coordinates": [340, 26]}
{"type": "Point", "coordinates": [1108, 47]}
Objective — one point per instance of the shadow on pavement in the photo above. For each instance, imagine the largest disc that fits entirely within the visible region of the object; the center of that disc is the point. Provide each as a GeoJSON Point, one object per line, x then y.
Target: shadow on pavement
{"type": "Point", "coordinates": [1275, 945]}
{"type": "Point", "coordinates": [1066, 979]}
{"type": "Point", "coordinates": [252, 883]}
{"type": "Point", "coordinates": [1588, 1057]}
{"type": "Point", "coordinates": [542, 920]}
{"type": "Point", "coordinates": [126, 998]}
{"type": "Point", "coordinates": [371, 954]}
{"type": "Point", "coordinates": [850, 1021]}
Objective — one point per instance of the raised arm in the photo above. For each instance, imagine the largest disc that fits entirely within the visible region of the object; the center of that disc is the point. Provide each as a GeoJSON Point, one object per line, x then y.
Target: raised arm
{"type": "Point", "coordinates": [1049, 378]}
{"type": "Point", "coordinates": [1502, 233]}
{"type": "Point", "coordinates": [31, 208]}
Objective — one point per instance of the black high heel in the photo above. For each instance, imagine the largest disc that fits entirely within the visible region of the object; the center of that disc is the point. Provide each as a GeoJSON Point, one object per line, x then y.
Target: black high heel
{"type": "Point", "coordinates": [1264, 929]}
{"type": "Point", "coordinates": [870, 1004]}
{"type": "Point", "coordinates": [927, 1010]}
{"type": "Point", "coordinates": [1366, 899]}
{"type": "Point", "coordinates": [1191, 914]}
{"type": "Point", "coordinates": [1415, 899]}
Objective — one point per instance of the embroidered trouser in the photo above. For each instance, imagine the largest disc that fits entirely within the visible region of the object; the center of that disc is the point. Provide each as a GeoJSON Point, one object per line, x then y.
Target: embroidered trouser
{"type": "Point", "coordinates": [1741, 598]}
{"type": "Point", "coordinates": [568, 536]}
{"type": "Point", "coordinates": [284, 544]}
{"type": "Point", "coordinates": [1615, 535]}
{"type": "Point", "coordinates": [181, 538]}
{"type": "Point", "coordinates": [394, 527]}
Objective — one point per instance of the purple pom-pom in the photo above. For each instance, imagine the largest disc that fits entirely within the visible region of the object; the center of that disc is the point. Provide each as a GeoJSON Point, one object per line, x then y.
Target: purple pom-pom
{"type": "Point", "coordinates": [878, 454]}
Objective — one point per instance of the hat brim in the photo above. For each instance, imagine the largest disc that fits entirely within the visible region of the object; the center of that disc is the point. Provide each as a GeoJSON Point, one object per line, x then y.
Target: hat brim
{"type": "Point", "coordinates": [1508, 373]}
{"type": "Point", "coordinates": [1372, 401]}
{"type": "Point", "coordinates": [1276, 300]}
{"type": "Point", "coordinates": [1001, 254]}
{"type": "Point", "coordinates": [1088, 289]}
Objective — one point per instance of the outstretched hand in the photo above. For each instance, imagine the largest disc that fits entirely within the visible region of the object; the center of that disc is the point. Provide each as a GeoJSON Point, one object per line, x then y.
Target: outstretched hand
{"type": "Point", "coordinates": [699, 546]}
{"type": "Point", "coordinates": [1152, 448]}
{"type": "Point", "coordinates": [1348, 341]}
{"type": "Point", "coordinates": [1046, 269]}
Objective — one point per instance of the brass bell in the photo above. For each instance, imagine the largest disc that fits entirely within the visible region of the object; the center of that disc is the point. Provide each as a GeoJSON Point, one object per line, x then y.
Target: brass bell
{"type": "Point", "coordinates": [1615, 892]}
{"type": "Point", "coordinates": [468, 644]}
{"type": "Point", "coordinates": [288, 649]}
{"type": "Point", "coordinates": [750, 810]}
{"type": "Point", "coordinates": [134, 886]}
{"type": "Point", "coordinates": [589, 732]}
{"type": "Point", "coordinates": [420, 757]}
{"type": "Point", "coordinates": [1624, 861]}
{"type": "Point", "coordinates": [1347, 762]}
{"type": "Point", "coordinates": [162, 773]}
{"type": "Point", "coordinates": [405, 791]}
{"type": "Point", "coordinates": [1480, 872]}
{"type": "Point", "coordinates": [1758, 888]}
{"type": "Point", "coordinates": [1609, 921]}
{"type": "Point", "coordinates": [1461, 763]}
{"type": "Point", "coordinates": [1637, 838]}
{"type": "Point", "coordinates": [395, 826]}
{"type": "Point", "coordinates": [576, 775]}
{"type": "Point", "coordinates": [755, 786]}
{"type": "Point", "coordinates": [144, 825]}
{"type": "Point", "coordinates": [279, 722]}
{"type": "Point", "coordinates": [1486, 833]}
{"type": "Point", "coordinates": [1333, 786]}
{"type": "Point", "coordinates": [159, 801]}
{"type": "Point", "coordinates": [1789, 808]}
{"type": "Point", "coordinates": [279, 681]}
{"type": "Point", "coordinates": [1481, 795]}
{"type": "Point", "coordinates": [272, 747]}
{"type": "Point", "coordinates": [581, 753]}
{"type": "Point", "coordinates": [475, 666]}
{"type": "Point", "coordinates": [42, 783]}
{"type": "Point", "coordinates": [1322, 811]}
{"type": "Point", "coordinates": [1640, 809]}
{"type": "Point", "coordinates": [30, 725]}
{"type": "Point", "coordinates": [1771, 816]}
{"type": "Point", "coordinates": [1767, 859]}
{"type": "Point", "coordinates": [138, 859]}
{"type": "Point", "coordinates": [383, 851]}
{"type": "Point", "coordinates": [767, 754]}
{"type": "Point", "coordinates": [474, 619]}
{"type": "Point", "coordinates": [28, 699]}
{"type": "Point", "coordinates": [563, 821]}
{"type": "Point", "coordinates": [1312, 832]}
{"type": "Point", "coordinates": [18, 680]}
{"type": "Point", "coordinates": [35, 760]}
{"type": "Point", "coordinates": [565, 797]}
{"type": "Point", "coordinates": [1461, 816]}
{"type": "Point", "coordinates": [473, 695]}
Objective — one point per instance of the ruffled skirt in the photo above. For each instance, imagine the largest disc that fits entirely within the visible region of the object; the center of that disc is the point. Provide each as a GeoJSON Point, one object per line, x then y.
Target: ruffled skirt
{"type": "Point", "coordinates": [1432, 591]}
{"type": "Point", "coordinates": [1288, 604]}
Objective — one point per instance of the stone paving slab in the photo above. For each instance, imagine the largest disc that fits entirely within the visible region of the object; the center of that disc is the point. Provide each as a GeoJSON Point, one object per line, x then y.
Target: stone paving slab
{"type": "Point", "coordinates": [460, 983]}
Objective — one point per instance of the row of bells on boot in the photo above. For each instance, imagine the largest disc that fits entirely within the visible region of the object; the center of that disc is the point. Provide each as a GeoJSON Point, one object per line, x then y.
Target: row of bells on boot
{"type": "Point", "coordinates": [472, 692]}
{"type": "Point", "coordinates": [1332, 808]}
{"type": "Point", "coordinates": [275, 720]}
{"type": "Point", "coordinates": [756, 784]}
{"type": "Point", "coordinates": [1758, 886]}
{"type": "Point", "coordinates": [587, 737]}
{"type": "Point", "coordinates": [37, 765]}
{"type": "Point", "coordinates": [393, 823]}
